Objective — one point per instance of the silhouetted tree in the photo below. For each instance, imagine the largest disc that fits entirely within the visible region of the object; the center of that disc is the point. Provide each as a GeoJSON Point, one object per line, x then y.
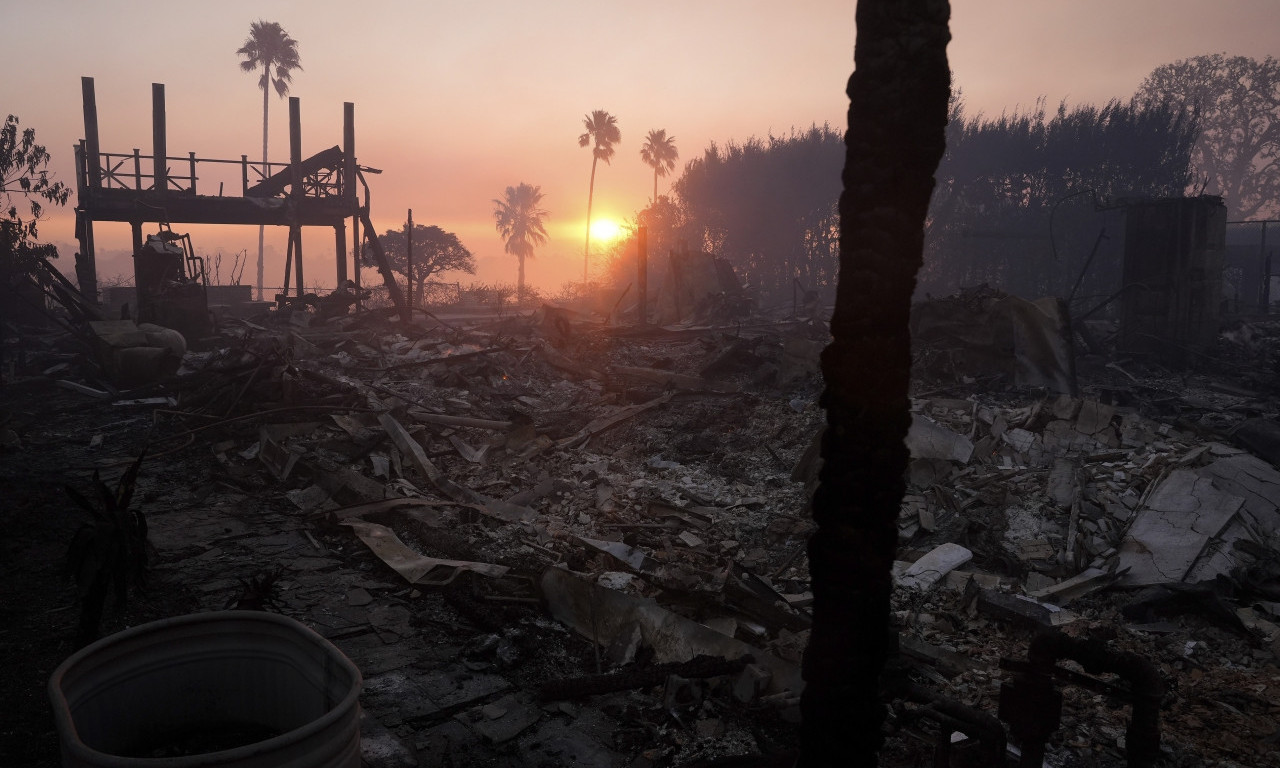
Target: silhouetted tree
{"type": "Point", "coordinates": [25, 185]}
{"type": "Point", "coordinates": [1002, 180]}
{"type": "Point", "coordinates": [270, 48]}
{"type": "Point", "coordinates": [601, 134]}
{"type": "Point", "coordinates": [767, 206]}
{"type": "Point", "coordinates": [24, 173]}
{"type": "Point", "coordinates": [434, 251]}
{"type": "Point", "coordinates": [518, 220]}
{"type": "Point", "coordinates": [659, 153]}
{"type": "Point", "coordinates": [897, 117]}
{"type": "Point", "coordinates": [1237, 100]}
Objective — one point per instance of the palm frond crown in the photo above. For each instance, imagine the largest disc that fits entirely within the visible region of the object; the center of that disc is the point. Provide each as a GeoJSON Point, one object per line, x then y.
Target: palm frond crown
{"type": "Point", "coordinates": [518, 219]}
{"type": "Point", "coordinates": [602, 131]}
{"type": "Point", "coordinates": [269, 48]}
{"type": "Point", "coordinates": [659, 152]}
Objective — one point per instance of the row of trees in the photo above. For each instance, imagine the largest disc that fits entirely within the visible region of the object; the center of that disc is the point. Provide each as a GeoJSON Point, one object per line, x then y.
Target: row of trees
{"type": "Point", "coordinates": [519, 217]}
{"type": "Point", "coordinates": [1210, 124]}
{"type": "Point", "coordinates": [601, 134]}
{"type": "Point", "coordinates": [273, 54]}
{"type": "Point", "coordinates": [998, 212]}
{"type": "Point", "coordinates": [1019, 197]}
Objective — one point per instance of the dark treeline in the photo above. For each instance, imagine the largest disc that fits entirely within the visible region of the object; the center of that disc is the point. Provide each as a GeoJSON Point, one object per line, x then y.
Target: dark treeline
{"type": "Point", "coordinates": [768, 206]}
{"type": "Point", "coordinates": [1021, 199]}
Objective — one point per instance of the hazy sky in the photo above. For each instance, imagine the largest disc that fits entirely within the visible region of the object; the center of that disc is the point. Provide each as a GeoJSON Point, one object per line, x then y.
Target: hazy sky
{"type": "Point", "coordinates": [457, 99]}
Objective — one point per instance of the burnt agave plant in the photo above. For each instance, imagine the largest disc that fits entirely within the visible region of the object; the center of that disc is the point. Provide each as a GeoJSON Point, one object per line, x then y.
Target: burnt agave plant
{"type": "Point", "coordinates": [109, 551]}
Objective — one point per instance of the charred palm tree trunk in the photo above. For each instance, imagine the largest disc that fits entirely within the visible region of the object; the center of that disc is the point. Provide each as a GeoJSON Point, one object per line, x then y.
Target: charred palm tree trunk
{"type": "Point", "coordinates": [897, 115]}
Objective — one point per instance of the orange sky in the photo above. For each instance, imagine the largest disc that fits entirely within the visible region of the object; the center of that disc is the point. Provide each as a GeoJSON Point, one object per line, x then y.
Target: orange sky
{"type": "Point", "coordinates": [457, 100]}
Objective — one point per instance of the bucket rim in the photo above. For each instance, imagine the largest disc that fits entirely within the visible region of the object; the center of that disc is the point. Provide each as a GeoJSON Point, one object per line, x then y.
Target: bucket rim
{"type": "Point", "coordinates": [66, 725]}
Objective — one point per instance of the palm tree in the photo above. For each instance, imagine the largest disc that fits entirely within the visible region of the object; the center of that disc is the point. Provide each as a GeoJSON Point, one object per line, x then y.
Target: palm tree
{"type": "Point", "coordinates": [602, 130]}
{"type": "Point", "coordinates": [659, 152]}
{"type": "Point", "coordinates": [518, 220]}
{"type": "Point", "coordinates": [898, 97]}
{"type": "Point", "coordinates": [269, 47]}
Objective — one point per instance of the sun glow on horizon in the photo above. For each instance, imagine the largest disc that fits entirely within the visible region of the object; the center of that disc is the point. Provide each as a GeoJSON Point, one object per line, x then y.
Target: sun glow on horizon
{"type": "Point", "coordinates": [605, 230]}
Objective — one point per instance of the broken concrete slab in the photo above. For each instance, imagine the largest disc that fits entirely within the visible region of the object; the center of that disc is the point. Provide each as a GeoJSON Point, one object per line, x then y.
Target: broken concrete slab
{"type": "Point", "coordinates": [1021, 608]}
{"type": "Point", "coordinates": [1087, 581]}
{"type": "Point", "coordinates": [1254, 480]}
{"type": "Point", "coordinates": [927, 439]}
{"type": "Point", "coordinates": [924, 573]}
{"type": "Point", "coordinates": [1172, 533]}
{"type": "Point", "coordinates": [1094, 417]}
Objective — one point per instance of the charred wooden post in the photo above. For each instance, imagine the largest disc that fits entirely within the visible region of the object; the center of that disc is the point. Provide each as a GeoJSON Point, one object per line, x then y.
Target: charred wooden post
{"type": "Point", "coordinates": [898, 98]}
{"type": "Point", "coordinates": [340, 247]}
{"type": "Point", "coordinates": [355, 251]}
{"type": "Point", "coordinates": [88, 180]}
{"type": "Point", "coordinates": [159, 141]}
{"type": "Point", "coordinates": [92, 166]}
{"type": "Point", "coordinates": [295, 190]}
{"type": "Point", "coordinates": [408, 257]}
{"type": "Point", "coordinates": [349, 192]}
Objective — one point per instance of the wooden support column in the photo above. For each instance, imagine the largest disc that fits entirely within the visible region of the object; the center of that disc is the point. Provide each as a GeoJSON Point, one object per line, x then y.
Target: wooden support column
{"type": "Point", "coordinates": [408, 256]}
{"type": "Point", "coordinates": [91, 160]}
{"type": "Point", "coordinates": [355, 251]}
{"type": "Point", "coordinates": [88, 181]}
{"type": "Point", "coordinates": [159, 141]}
{"type": "Point", "coordinates": [340, 239]}
{"type": "Point", "coordinates": [295, 165]}
{"type": "Point", "coordinates": [136, 226]}
{"type": "Point", "coordinates": [349, 190]}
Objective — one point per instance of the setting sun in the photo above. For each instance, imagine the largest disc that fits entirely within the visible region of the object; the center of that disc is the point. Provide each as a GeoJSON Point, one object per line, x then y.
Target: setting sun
{"type": "Point", "coordinates": [605, 230]}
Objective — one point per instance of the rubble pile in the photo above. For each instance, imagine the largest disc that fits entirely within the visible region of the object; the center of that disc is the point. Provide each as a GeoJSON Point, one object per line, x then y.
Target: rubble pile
{"type": "Point", "coordinates": [574, 543]}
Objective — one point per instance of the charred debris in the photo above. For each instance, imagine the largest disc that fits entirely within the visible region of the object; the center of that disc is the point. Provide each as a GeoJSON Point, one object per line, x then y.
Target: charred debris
{"type": "Point", "coordinates": [547, 534]}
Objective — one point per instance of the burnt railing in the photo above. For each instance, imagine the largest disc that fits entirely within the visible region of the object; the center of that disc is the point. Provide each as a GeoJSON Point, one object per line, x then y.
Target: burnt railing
{"type": "Point", "coordinates": [129, 171]}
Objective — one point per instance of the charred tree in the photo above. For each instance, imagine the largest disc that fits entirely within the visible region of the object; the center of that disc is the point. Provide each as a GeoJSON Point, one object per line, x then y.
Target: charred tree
{"type": "Point", "coordinates": [898, 97]}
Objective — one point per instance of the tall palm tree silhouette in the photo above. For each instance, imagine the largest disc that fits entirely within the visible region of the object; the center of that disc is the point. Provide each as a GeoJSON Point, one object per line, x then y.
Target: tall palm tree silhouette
{"type": "Point", "coordinates": [270, 48]}
{"type": "Point", "coordinates": [602, 131]}
{"type": "Point", "coordinates": [518, 220]}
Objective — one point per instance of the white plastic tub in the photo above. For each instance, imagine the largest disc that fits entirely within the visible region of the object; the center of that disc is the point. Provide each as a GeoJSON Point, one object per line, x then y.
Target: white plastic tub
{"type": "Point", "coordinates": [247, 689]}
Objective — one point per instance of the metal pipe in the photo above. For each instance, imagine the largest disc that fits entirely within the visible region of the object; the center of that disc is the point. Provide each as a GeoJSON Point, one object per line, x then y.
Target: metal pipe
{"type": "Point", "coordinates": [1031, 704]}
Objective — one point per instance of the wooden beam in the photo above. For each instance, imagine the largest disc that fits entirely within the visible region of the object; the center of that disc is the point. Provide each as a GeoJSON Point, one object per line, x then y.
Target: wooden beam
{"type": "Point", "coordinates": [349, 192]}
{"type": "Point", "coordinates": [159, 140]}
{"type": "Point", "coordinates": [91, 164]}
{"type": "Point", "coordinates": [340, 239]}
{"type": "Point", "coordinates": [295, 164]}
